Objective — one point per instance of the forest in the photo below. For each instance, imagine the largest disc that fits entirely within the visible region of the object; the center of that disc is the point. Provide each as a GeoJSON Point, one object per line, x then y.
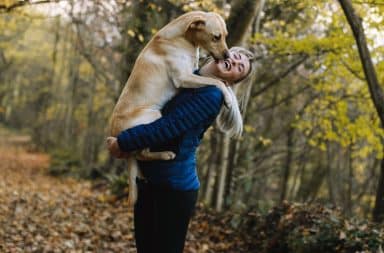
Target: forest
{"type": "Point", "coordinates": [307, 174]}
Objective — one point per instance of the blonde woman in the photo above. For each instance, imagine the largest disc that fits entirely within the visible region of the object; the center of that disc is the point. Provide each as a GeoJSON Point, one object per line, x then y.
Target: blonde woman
{"type": "Point", "coordinates": [167, 194]}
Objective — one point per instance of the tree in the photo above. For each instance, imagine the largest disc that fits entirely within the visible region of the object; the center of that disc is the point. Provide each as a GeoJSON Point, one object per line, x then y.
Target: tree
{"type": "Point", "coordinates": [238, 26]}
{"type": "Point", "coordinates": [311, 129]}
{"type": "Point", "coordinates": [375, 90]}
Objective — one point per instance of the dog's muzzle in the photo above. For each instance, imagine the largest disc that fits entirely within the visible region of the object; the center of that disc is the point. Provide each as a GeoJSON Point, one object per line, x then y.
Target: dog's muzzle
{"type": "Point", "coordinates": [226, 54]}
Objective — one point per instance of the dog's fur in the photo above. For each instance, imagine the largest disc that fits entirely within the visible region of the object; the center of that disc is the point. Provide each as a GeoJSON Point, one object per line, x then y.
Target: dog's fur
{"type": "Point", "coordinates": [165, 64]}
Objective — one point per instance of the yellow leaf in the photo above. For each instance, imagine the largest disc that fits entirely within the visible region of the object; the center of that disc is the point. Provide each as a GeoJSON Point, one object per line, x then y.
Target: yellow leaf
{"type": "Point", "coordinates": [249, 128]}
{"type": "Point", "coordinates": [141, 38]}
{"type": "Point", "coordinates": [131, 33]}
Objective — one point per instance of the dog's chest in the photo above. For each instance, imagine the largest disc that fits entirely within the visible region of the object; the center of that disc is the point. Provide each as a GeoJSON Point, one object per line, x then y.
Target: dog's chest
{"type": "Point", "coordinates": [182, 61]}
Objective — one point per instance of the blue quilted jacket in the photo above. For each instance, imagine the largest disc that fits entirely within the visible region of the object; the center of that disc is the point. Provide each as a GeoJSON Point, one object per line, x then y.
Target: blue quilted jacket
{"type": "Point", "coordinates": [185, 119]}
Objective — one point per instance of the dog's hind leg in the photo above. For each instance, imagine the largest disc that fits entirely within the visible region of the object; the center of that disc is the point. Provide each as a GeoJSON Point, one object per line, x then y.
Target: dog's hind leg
{"type": "Point", "coordinates": [133, 170]}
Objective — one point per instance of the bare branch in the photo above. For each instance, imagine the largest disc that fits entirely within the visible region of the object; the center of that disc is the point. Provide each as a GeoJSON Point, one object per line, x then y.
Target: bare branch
{"type": "Point", "coordinates": [354, 72]}
{"type": "Point", "coordinates": [8, 8]}
{"type": "Point", "coordinates": [283, 100]}
{"type": "Point", "coordinates": [281, 76]}
{"type": "Point", "coordinates": [368, 2]}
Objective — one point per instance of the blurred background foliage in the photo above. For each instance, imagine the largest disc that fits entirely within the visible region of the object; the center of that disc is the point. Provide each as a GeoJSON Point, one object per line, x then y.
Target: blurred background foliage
{"type": "Point", "coordinates": [312, 133]}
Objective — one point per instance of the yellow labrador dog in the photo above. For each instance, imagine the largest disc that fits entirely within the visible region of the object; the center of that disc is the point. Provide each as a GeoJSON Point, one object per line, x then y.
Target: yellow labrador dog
{"type": "Point", "coordinates": [165, 64]}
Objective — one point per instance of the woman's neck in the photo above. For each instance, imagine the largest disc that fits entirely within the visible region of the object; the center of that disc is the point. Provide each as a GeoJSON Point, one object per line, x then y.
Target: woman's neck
{"type": "Point", "coordinates": [206, 70]}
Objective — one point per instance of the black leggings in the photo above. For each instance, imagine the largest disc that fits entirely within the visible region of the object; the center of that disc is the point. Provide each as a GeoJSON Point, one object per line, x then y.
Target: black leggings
{"type": "Point", "coordinates": [161, 217]}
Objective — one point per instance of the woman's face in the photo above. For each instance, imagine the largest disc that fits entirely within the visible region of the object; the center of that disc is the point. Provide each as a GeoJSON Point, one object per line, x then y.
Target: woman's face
{"type": "Point", "coordinates": [230, 70]}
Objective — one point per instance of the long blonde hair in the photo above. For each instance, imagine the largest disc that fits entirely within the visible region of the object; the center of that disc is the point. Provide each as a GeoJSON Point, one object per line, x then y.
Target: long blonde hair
{"type": "Point", "coordinates": [230, 120]}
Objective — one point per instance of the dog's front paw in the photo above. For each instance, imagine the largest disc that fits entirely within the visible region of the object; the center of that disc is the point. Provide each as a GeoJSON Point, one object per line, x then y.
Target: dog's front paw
{"type": "Point", "coordinates": [109, 141]}
{"type": "Point", "coordinates": [168, 155]}
{"type": "Point", "coordinates": [113, 148]}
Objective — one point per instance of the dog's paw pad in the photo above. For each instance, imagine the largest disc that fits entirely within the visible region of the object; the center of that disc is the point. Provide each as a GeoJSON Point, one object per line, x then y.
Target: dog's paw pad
{"type": "Point", "coordinates": [109, 141]}
{"type": "Point", "coordinates": [170, 155]}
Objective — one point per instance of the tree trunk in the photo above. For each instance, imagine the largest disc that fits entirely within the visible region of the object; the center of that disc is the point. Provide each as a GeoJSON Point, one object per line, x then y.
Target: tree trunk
{"type": "Point", "coordinates": [243, 12]}
{"type": "Point", "coordinates": [348, 199]}
{"type": "Point", "coordinates": [232, 176]}
{"type": "Point", "coordinates": [288, 165]}
{"type": "Point", "coordinates": [238, 25]}
{"type": "Point", "coordinates": [378, 211]}
{"type": "Point", "coordinates": [89, 149]}
{"type": "Point", "coordinates": [71, 96]}
{"type": "Point", "coordinates": [223, 172]}
{"type": "Point", "coordinates": [330, 181]}
{"type": "Point", "coordinates": [375, 90]}
{"type": "Point", "coordinates": [4, 64]}
{"type": "Point", "coordinates": [310, 183]}
{"type": "Point", "coordinates": [212, 168]}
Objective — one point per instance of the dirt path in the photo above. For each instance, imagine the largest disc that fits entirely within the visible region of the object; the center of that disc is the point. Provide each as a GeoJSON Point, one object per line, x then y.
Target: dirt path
{"type": "Point", "coordinates": [40, 213]}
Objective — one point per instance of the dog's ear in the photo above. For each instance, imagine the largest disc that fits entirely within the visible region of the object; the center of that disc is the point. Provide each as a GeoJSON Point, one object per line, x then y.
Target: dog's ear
{"type": "Point", "coordinates": [197, 24]}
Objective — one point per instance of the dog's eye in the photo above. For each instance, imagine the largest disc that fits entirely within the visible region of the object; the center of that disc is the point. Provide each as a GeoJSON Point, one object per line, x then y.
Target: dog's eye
{"type": "Point", "coordinates": [216, 37]}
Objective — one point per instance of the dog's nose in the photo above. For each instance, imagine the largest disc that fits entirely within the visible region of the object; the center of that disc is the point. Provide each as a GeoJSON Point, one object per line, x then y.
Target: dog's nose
{"type": "Point", "coordinates": [226, 54]}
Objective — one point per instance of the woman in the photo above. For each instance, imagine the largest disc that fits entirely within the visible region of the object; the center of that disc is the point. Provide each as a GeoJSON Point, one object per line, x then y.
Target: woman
{"type": "Point", "coordinates": [168, 192]}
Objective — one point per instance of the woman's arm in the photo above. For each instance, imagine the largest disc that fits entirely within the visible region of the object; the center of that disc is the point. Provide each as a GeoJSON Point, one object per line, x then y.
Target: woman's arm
{"type": "Point", "coordinates": [197, 108]}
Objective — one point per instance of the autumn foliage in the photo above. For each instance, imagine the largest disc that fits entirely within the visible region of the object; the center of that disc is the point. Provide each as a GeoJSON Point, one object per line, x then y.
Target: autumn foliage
{"type": "Point", "coordinates": [41, 213]}
{"type": "Point", "coordinates": [311, 134]}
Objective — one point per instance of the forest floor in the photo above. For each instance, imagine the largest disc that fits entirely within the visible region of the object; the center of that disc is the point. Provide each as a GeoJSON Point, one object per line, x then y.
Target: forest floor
{"type": "Point", "coordinates": [41, 213]}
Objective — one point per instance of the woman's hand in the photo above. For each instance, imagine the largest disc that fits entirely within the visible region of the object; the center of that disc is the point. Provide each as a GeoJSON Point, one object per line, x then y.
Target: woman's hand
{"type": "Point", "coordinates": [113, 147]}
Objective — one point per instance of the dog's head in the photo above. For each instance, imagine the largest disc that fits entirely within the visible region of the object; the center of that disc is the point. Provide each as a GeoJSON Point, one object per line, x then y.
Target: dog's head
{"type": "Point", "coordinates": [209, 31]}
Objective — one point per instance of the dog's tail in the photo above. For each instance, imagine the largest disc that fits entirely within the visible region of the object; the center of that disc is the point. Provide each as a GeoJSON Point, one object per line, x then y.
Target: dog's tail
{"type": "Point", "coordinates": [133, 172]}
{"type": "Point", "coordinates": [230, 120]}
